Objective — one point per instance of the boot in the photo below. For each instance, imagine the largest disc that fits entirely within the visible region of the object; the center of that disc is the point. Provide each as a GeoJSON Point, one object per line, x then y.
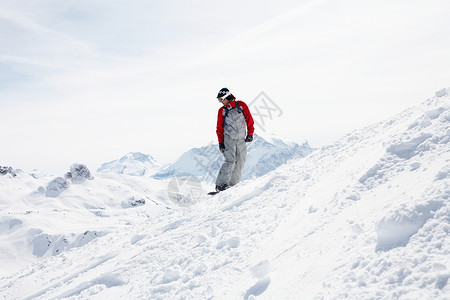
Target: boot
{"type": "Point", "coordinates": [220, 188]}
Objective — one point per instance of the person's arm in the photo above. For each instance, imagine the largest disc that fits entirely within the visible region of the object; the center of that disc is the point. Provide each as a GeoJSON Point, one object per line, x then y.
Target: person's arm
{"type": "Point", "coordinates": [248, 118]}
{"type": "Point", "coordinates": [219, 128]}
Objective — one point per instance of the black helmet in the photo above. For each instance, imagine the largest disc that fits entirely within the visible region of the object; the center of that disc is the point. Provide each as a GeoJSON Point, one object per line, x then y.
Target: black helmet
{"type": "Point", "coordinates": [225, 94]}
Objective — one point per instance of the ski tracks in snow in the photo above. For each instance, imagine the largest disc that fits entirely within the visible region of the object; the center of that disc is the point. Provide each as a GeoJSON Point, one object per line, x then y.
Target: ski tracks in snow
{"type": "Point", "coordinates": [53, 277]}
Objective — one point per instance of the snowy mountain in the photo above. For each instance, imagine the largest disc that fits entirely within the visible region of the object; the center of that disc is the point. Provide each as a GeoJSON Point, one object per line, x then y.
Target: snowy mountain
{"type": "Point", "coordinates": [264, 155]}
{"type": "Point", "coordinates": [367, 217]}
{"type": "Point", "coordinates": [134, 164]}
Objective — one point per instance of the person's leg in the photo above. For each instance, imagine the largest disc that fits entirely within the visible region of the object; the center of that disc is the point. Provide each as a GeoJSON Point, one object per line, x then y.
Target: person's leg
{"type": "Point", "coordinates": [227, 168]}
{"type": "Point", "coordinates": [241, 155]}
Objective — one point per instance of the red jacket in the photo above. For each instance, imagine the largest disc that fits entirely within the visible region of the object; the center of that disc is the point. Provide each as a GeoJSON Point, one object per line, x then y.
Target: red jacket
{"type": "Point", "coordinates": [247, 115]}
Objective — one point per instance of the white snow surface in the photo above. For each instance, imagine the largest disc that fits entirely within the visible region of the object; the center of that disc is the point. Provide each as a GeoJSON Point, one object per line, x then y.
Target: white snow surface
{"type": "Point", "coordinates": [38, 222]}
{"type": "Point", "coordinates": [365, 218]}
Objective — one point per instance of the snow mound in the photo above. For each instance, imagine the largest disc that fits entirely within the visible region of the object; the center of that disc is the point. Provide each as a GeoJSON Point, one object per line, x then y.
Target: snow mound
{"type": "Point", "coordinates": [49, 245]}
{"type": "Point", "coordinates": [396, 229]}
{"type": "Point", "coordinates": [409, 147]}
{"type": "Point", "coordinates": [78, 174]}
{"type": "Point", "coordinates": [56, 187]}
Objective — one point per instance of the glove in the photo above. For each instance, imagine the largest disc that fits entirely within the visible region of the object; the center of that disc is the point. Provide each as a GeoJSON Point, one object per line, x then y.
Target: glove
{"type": "Point", "coordinates": [222, 147]}
{"type": "Point", "coordinates": [249, 138]}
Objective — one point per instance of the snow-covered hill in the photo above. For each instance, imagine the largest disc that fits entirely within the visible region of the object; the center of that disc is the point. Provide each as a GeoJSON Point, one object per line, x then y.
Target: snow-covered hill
{"type": "Point", "coordinates": [264, 155]}
{"type": "Point", "coordinates": [134, 164]}
{"type": "Point", "coordinates": [364, 218]}
{"type": "Point", "coordinates": [42, 216]}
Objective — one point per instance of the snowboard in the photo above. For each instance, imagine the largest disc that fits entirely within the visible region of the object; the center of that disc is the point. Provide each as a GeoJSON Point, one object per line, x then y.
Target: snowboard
{"type": "Point", "coordinates": [216, 192]}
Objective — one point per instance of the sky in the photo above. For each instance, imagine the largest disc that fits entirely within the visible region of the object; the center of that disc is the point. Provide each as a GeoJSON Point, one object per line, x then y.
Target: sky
{"type": "Point", "coordinates": [89, 81]}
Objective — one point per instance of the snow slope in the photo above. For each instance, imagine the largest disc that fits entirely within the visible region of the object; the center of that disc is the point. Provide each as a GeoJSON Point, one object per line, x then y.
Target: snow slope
{"type": "Point", "coordinates": [365, 218]}
{"type": "Point", "coordinates": [36, 224]}
{"type": "Point", "coordinates": [264, 155]}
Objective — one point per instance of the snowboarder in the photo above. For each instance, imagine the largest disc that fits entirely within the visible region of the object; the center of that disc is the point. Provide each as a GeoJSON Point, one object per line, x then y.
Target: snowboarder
{"type": "Point", "coordinates": [234, 129]}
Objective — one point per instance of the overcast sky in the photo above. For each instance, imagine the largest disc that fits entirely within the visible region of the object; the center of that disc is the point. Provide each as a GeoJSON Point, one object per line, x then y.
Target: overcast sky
{"type": "Point", "coordinates": [89, 81]}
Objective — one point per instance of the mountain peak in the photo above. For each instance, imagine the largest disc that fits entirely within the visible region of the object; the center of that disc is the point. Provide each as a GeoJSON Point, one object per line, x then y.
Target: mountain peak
{"type": "Point", "coordinates": [133, 163]}
{"type": "Point", "coordinates": [138, 156]}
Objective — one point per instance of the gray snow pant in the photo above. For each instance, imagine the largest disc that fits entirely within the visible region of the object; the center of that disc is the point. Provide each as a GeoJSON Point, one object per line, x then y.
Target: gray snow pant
{"type": "Point", "coordinates": [235, 154]}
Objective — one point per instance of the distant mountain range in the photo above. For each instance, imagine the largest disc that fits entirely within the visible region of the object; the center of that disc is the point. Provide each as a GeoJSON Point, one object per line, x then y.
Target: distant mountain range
{"type": "Point", "coordinates": [134, 163]}
{"type": "Point", "coordinates": [264, 155]}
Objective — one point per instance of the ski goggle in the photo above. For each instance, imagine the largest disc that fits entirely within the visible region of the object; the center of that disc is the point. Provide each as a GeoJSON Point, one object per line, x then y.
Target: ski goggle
{"type": "Point", "coordinates": [222, 98]}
